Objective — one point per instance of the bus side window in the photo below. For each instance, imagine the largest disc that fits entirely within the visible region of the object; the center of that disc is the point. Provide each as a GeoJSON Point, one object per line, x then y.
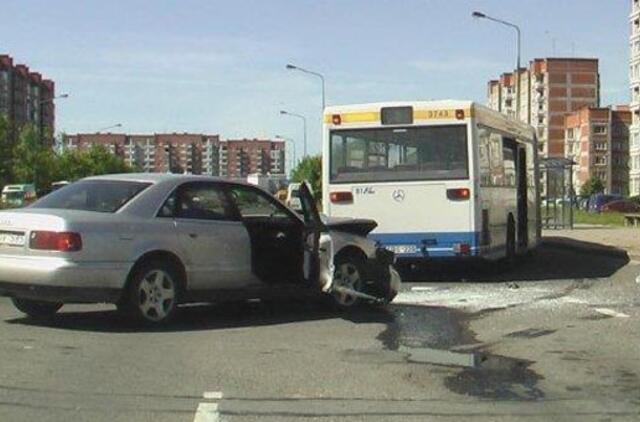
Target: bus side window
{"type": "Point", "coordinates": [497, 162]}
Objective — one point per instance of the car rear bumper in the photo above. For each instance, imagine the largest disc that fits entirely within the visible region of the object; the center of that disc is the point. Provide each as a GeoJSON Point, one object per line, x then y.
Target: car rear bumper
{"type": "Point", "coordinates": [60, 294]}
{"type": "Point", "coordinates": [50, 278]}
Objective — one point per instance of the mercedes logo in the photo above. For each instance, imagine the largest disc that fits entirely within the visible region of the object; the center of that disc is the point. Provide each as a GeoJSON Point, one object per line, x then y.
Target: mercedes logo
{"type": "Point", "coordinates": [398, 195]}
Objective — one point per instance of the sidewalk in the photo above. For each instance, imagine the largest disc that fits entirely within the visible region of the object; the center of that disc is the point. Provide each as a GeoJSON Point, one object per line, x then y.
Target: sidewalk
{"type": "Point", "coordinates": [618, 237]}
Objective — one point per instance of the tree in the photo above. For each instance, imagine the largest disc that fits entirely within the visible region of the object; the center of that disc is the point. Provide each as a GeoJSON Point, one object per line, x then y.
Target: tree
{"type": "Point", "coordinates": [310, 169]}
{"type": "Point", "coordinates": [33, 162]}
{"type": "Point", "coordinates": [73, 165]}
{"type": "Point", "coordinates": [591, 186]}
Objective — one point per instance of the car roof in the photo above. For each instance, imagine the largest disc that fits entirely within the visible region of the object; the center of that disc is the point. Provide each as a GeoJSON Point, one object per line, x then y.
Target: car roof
{"type": "Point", "coordinates": [156, 177]}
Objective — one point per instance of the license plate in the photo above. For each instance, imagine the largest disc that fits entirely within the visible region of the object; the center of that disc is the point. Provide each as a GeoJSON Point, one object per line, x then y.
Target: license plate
{"type": "Point", "coordinates": [11, 239]}
{"type": "Point", "coordinates": [403, 249]}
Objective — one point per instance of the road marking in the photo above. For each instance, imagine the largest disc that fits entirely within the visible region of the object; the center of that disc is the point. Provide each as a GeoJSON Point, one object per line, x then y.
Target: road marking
{"type": "Point", "coordinates": [207, 412]}
{"type": "Point", "coordinates": [212, 395]}
{"type": "Point", "coordinates": [422, 289]}
{"type": "Point", "coordinates": [611, 312]}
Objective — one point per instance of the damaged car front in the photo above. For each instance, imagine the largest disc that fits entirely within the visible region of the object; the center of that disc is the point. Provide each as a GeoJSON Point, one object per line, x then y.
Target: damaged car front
{"type": "Point", "coordinates": [364, 273]}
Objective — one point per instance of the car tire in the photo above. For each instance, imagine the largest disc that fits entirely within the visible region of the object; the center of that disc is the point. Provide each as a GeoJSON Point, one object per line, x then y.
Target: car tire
{"type": "Point", "coordinates": [36, 308]}
{"type": "Point", "coordinates": [349, 270]}
{"type": "Point", "coordinates": [152, 294]}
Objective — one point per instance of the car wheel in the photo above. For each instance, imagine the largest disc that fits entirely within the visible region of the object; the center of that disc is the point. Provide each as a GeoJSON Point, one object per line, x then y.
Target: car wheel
{"type": "Point", "coordinates": [36, 308]}
{"type": "Point", "coordinates": [348, 273]}
{"type": "Point", "coordinates": [152, 295]}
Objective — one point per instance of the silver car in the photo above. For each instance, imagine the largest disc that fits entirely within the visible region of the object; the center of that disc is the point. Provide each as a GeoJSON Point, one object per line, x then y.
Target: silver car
{"type": "Point", "coordinates": [148, 242]}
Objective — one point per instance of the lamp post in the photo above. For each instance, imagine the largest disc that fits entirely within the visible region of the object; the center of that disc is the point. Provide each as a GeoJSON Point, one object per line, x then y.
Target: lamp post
{"type": "Point", "coordinates": [310, 72]}
{"type": "Point", "coordinates": [304, 125]}
{"type": "Point", "coordinates": [480, 15]}
{"type": "Point", "coordinates": [293, 145]}
{"type": "Point", "coordinates": [117, 125]}
{"type": "Point", "coordinates": [40, 128]}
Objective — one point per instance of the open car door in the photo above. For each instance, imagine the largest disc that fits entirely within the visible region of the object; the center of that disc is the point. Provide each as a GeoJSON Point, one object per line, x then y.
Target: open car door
{"type": "Point", "coordinates": [318, 246]}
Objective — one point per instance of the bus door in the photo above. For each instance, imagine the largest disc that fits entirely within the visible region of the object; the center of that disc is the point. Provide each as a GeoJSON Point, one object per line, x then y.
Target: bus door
{"type": "Point", "coordinates": [516, 155]}
{"type": "Point", "coordinates": [521, 183]}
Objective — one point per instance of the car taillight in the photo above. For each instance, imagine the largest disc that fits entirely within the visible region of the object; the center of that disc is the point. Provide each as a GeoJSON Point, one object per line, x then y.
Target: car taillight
{"type": "Point", "coordinates": [459, 194]}
{"type": "Point", "coordinates": [340, 197]}
{"type": "Point", "coordinates": [55, 241]}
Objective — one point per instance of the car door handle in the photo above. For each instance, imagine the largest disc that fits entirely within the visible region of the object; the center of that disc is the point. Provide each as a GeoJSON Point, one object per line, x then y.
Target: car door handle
{"type": "Point", "coordinates": [193, 235]}
{"type": "Point", "coordinates": [280, 235]}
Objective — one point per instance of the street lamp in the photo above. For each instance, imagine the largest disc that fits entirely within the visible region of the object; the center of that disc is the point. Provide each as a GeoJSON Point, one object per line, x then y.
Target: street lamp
{"type": "Point", "coordinates": [117, 125]}
{"type": "Point", "coordinates": [52, 99]}
{"type": "Point", "coordinates": [310, 72]}
{"type": "Point", "coordinates": [480, 15]}
{"type": "Point", "coordinates": [304, 125]}
{"type": "Point", "coordinates": [293, 144]}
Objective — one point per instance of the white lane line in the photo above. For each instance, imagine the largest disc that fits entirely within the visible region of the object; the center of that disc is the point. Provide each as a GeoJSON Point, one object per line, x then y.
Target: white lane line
{"type": "Point", "coordinates": [422, 289]}
{"type": "Point", "coordinates": [212, 395]}
{"type": "Point", "coordinates": [207, 412]}
{"type": "Point", "coordinates": [611, 312]}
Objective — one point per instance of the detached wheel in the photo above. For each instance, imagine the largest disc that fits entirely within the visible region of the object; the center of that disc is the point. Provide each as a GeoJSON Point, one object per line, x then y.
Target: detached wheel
{"type": "Point", "coordinates": [36, 308]}
{"type": "Point", "coordinates": [348, 273]}
{"type": "Point", "coordinates": [152, 295]}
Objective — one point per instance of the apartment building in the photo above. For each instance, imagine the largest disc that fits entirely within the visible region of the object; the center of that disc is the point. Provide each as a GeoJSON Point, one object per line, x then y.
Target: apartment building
{"type": "Point", "coordinates": [634, 79]}
{"type": "Point", "coordinates": [248, 156]}
{"type": "Point", "coordinates": [26, 97]}
{"type": "Point", "coordinates": [550, 89]}
{"type": "Point", "coordinates": [597, 140]}
{"type": "Point", "coordinates": [188, 153]}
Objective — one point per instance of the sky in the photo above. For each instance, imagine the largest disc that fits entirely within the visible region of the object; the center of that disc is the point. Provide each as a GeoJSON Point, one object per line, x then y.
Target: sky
{"type": "Point", "coordinates": [218, 67]}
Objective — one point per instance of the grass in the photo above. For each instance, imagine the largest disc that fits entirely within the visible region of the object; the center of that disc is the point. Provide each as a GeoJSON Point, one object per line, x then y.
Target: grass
{"type": "Point", "coordinates": [605, 218]}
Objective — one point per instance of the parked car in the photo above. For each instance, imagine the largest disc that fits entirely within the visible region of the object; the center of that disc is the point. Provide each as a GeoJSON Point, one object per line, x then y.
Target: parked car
{"type": "Point", "coordinates": [621, 206]}
{"type": "Point", "coordinates": [597, 201]}
{"type": "Point", "coordinates": [18, 195]}
{"type": "Point", "coordinates": [148, 242]}
{"type": "Point", "coordinates": [293, 197]}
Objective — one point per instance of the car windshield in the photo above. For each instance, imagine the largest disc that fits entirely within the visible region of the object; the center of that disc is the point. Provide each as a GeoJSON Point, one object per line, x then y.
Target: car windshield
{"type": "Point", "coordinates": [106, 196]}
{"type": "Point", "coordinates": [15, 195]}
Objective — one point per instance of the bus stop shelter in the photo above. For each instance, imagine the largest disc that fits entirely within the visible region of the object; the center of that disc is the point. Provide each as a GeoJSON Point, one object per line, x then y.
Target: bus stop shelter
{"type": "Point", "coordinates": [558, 195]}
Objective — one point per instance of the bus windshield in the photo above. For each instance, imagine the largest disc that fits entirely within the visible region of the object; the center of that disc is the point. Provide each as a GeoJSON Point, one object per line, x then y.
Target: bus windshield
{"type": "Point", "coordinates": [399, 154]}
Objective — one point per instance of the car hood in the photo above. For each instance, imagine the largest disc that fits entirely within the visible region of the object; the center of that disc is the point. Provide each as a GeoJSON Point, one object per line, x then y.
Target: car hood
{"type": "Point", "coordinates": [357, 226]}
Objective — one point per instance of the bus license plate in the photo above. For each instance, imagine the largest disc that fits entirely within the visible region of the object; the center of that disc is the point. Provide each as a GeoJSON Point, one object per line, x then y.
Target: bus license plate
{"type": "Point", "coordinates": [403, 249]}
{"type": "Point", "coordinates": [11, 239]}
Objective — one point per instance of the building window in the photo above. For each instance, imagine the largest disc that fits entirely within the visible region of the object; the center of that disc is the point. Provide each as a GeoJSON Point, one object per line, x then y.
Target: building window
{"type": "Point", "coordinates": [570, 133]}
{"type": "Point", "coordinates": [599, 130]}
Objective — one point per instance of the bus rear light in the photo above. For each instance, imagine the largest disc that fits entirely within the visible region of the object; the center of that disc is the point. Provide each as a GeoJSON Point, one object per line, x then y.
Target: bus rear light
{"type": "Point", "coordinates": [55, 241]}
{"type": "Point", "coordinates": [462, 248]}
{"type": "Point", "coordinates": [460, 114]}
{"type": "Point", "coordinates": [340, 197]}
{"type": "Point", "coordinates": [459, 194]}
{"type": "Point", "coordinates": [336, 119]}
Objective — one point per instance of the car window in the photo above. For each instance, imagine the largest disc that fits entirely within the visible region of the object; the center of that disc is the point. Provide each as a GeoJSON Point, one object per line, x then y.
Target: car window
{"type": "Point", "coordinates": [92, 195]}
{"type": "Point", "coordinates": [199, 202]}
{"type": "Point", "coordinates": [252, 203]}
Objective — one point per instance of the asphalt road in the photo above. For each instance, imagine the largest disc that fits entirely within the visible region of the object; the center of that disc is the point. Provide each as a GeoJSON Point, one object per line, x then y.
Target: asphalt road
{"type": "Point", "coordinates": [555, 339]}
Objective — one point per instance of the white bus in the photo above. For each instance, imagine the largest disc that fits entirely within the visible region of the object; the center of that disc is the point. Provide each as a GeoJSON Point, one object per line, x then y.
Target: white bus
{"type": "Point", "coordinates": [443, 179]}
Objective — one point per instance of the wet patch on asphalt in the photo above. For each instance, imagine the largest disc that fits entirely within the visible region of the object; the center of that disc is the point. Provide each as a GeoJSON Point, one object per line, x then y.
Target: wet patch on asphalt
{"type": "Point", "coordinates": [437, 336]}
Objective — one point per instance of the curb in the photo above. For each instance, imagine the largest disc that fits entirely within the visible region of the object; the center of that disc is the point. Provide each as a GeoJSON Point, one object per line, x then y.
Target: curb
{"type": "Point", "coordinates": [586, 247]}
